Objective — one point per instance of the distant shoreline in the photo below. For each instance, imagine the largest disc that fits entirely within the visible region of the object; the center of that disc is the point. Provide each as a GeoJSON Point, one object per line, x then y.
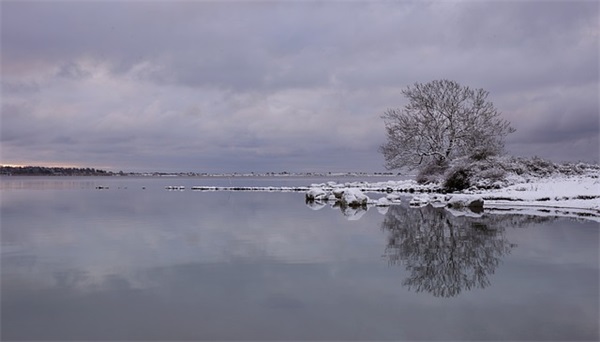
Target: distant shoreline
{"type": "Point", "coordinates": [63, 171]}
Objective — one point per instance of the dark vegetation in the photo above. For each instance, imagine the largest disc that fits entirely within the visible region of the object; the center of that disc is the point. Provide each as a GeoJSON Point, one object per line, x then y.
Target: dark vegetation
{"type": "Point", "coordinates": [52, 171]}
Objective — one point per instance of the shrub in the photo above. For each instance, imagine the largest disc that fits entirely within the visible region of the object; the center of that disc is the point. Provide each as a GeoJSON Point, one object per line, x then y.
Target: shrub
{"type": "Point", "coordinates": [539, 167]}
{"type": "Point", "coordinates": [457, 179]}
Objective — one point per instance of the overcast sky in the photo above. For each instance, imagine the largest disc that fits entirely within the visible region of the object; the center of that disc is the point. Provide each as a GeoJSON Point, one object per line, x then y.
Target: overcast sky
{"type": "Point", "coordinates": [282, 86]}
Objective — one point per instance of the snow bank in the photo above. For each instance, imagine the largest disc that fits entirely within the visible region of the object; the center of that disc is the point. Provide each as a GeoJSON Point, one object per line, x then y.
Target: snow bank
{"type": "Point", "coordinates": [574, 192]}
{"type": "Point", "coordinates": [561, 195]}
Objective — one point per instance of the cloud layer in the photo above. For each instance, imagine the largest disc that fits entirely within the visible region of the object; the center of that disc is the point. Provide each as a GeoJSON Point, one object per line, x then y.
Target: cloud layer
{"type": "Point", "coordinates": [270, 86]}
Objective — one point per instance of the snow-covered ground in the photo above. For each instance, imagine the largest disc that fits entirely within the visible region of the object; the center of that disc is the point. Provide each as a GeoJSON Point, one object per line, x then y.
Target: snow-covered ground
{"type": "Point", "coordinates": [580, 193]}
{"type": "Point", "coordinates": [558, 195]}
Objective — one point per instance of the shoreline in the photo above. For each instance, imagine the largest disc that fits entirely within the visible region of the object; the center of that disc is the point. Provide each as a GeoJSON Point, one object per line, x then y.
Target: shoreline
{"type": "Point", "coordinates": [567, 196]}
{"type": "Point", "coordinates": [576, 196]}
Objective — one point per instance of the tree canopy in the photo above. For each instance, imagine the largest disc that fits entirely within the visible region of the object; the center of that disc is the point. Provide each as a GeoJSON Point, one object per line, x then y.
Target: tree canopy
{"type": "Point", "coordinates": [442, 121]}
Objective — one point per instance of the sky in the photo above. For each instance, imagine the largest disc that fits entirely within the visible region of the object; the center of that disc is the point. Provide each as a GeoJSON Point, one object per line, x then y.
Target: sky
{"type": "Point", "coordinates": [297, 86]}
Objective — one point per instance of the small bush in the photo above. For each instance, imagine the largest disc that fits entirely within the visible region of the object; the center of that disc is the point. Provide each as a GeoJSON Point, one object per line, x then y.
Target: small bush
{"type": "Point", "coordinates": [457, 179]}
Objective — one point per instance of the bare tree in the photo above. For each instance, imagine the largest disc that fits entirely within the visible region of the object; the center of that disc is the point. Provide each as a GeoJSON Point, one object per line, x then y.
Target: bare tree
{"type": "Point", "coordinates": [442, 121]}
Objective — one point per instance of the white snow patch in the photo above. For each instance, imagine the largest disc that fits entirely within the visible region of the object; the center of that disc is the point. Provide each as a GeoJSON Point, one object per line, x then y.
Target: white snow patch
{"type": "Point", "coordinates": [574, 192]}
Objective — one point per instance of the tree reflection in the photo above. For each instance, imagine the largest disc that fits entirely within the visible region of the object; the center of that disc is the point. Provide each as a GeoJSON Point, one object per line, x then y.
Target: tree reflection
{"type": "Point", "coordinates": [350, 212]}
{"type": "Point", "coordinates": [446, 254]}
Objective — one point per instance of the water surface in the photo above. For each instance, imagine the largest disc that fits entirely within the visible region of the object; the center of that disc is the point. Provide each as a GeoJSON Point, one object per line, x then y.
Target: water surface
{"type": "Point", "coordinates": [138, 262]}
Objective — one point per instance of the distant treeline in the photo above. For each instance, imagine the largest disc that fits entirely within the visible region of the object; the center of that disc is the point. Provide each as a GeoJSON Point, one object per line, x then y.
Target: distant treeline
{"type": "Point", "coordinates": [75, 171]}
{"type": "Point", "coordinates": [51, 171]}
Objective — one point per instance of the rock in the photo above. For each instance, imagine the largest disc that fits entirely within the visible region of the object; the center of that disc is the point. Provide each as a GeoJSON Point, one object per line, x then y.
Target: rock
{"type": "Point", "coordinates": [338, 192]}
{"type": "Point", "coordinates": [353, 197]}
{"type": "Point", "coordinates": [474, 203]}
{"type": "Point", "coordinates": [387, 201]}
{"type": "Point", "coordinates": [438, 201]}
{"type": "Point", "coordinates": [314, 194]}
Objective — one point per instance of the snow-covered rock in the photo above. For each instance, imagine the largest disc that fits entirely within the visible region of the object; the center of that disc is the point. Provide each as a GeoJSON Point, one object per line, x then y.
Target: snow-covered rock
{"type": "Point", "coordinates": [474, 203]}
{"type": "Point", "coordinates": [338, 192]}
{"type": "Point", "coordinates": [438, 201]}
{"type": "Point", "coordinates": [354, 197]}
{"type": "Point", "coordinates": [316, 193]}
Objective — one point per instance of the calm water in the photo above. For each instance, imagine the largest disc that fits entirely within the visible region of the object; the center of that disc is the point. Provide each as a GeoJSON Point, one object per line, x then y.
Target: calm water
{"type": "Point", "coordinates": [129, 263]}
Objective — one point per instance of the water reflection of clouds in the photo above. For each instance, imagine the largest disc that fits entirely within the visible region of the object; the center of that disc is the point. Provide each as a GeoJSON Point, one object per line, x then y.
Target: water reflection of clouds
{"type": "Point", "coordinates": [565, 241]}
{"type": "Point", "coordinates": [105, 234]}
{"type": "Point", "coordinates": [257, 265]}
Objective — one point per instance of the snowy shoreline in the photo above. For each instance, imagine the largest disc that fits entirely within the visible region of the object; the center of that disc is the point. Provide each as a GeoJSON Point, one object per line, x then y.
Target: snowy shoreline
{"type": "Point", "coordinates": [570, 196]}
{"type": "Point", "coordinates": [558, 195]}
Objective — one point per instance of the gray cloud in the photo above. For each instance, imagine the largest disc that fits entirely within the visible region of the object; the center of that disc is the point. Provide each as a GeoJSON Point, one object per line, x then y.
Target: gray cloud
{"type": "Point", "coordinates": [257, 86]}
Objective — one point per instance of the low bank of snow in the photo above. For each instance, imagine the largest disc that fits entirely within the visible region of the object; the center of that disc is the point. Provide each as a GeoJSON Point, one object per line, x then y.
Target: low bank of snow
{"type": "Point", "coordinates": [572, 192]}
{"type": "Point", "coordinates": [575, 195]}
{"type": "Point", "coordinates": [558, 193]}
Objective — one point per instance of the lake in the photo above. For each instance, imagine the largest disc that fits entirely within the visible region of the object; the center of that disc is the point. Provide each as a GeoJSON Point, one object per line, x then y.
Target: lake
{"type": "Point", "coordinates": [138, 262]}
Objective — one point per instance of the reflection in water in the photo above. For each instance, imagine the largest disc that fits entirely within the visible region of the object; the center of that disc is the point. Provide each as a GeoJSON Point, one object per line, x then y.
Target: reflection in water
{"type": "Point", "coordinates": [445, 251]}
{"type": "Point", "coordinates": [446, 254]}
{"type": "Point", "coordinates": [351, 213]}
{"type": "Point", "coordinates": [81, 264]}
